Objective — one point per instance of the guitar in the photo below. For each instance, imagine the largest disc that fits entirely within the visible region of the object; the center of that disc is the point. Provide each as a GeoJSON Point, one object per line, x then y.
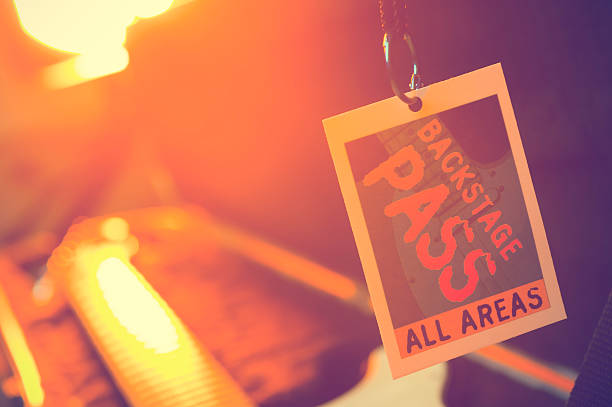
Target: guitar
{"type": "Point", "coordinates": [246, 343]}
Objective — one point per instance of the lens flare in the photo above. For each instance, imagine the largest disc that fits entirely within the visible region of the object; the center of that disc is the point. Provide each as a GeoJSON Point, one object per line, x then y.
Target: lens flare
{"type": "Point", "coordinates": [135, 307]}
{"type": "Point", "coordinates": [115, 229]}
{"type": "Point", "coordinates": [22, 360]}
{"type": "Point", "coordinates": [96, 30]}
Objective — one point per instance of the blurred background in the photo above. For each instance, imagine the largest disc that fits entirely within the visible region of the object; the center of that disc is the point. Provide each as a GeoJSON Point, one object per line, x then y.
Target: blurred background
{"type": "Point", "coordinates": [219, 104]}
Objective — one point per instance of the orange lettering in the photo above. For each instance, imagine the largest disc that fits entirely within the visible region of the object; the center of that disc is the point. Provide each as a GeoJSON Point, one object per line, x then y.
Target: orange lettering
{"type": "Point", "coordinates": [419, 207]}
{"type": "Point", "coordinates": [489, 219]}
{"type": "Point", "coordinates": [439, 147]}
{"type": "Point", "coordinates": [388, 170]}
{"type": "Point", "coordinates": [512, 247]}
{"type": "Point", "coordinates": [475, 189]}
{"type": "Point", "coordinates": [469, 269]}
{"type": "Point", "coordinates": [461, 175]}
{"type": "Point", "coordinates": [446, 234]}
{"type": "Point", "coordinates": [445, 161]}
{"type": "Point", "coordinates": [501, 234]}
{"type": "Point", "coordinates": [430, 131]}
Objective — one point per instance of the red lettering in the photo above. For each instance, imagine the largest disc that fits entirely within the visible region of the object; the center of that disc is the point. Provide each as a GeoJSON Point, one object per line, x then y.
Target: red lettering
{"type": "Point", "coordinates": [469, 269]}
{"type": "Point", "coordinates": [489, 219]}
{"type": "Point", "coordinates": [428, 132]}
{"type": "Point", "coordinates": [512, 247]}
{"type": "Point", "coordinates": [388, 170]}
{"type": "Point", "coordinates": [456, 155]}
{"type": "Point", "coordinates": [419, 207]}
{"type": "Point", "coordinates": [446, 234]}
{"type": "Point", "coordinates": [461, 175]}
{"type": "Point", "coordinates": [501, 234]}
{"type": "Point", "coordinates": [487, 202]}
{"type": "Point", "coordinates": [439, 147]}
{"type": "Point", "coordinates": [470, 195]}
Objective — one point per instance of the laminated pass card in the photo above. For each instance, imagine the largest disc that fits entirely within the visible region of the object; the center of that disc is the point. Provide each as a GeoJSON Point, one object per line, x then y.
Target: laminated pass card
{"type": "Point", "coordinates": [445, 219]}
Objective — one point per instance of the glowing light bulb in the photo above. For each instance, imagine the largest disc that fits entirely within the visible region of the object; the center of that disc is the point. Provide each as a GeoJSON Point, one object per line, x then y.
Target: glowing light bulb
{"type": "Point", "coordinates": [94, 29]}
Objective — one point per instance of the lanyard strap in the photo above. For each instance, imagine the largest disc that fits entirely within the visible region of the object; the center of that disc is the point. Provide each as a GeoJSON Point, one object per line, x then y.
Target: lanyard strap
{"type": "Point", "coordinates": [394, 22]}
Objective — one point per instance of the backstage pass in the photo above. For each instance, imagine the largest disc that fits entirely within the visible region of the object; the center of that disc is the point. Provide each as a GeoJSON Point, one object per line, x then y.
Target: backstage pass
{"type": "Point", "coordinates": [445, 219]}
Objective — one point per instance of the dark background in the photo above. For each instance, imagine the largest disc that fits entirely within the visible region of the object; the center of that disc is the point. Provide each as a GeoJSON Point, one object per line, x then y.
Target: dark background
{"type": "Point", "coordinates": [231, 96]}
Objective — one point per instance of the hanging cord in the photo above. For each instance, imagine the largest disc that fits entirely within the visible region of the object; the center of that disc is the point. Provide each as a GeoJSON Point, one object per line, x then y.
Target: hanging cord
{"type": "Point", "coordinates": [393, 16]}
{"type": "Point", "coordinates": [394, 22]}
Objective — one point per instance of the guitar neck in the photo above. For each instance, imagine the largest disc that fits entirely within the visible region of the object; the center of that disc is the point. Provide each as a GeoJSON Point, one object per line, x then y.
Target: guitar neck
{"type": "Point", "coordinates": [152, 356]}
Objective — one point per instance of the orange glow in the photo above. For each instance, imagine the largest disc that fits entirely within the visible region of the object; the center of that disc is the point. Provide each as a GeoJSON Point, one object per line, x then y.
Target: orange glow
{"type": "Point", "coordinates": [152, 356]}
{"type": "Point", "coordinates": [135, 307]}
{"type": "Point", "coordinates": [527, 367]}
{"type": "Point", "coordinates": [95, 30]}
{"type": "Point", "coordinates": [83, 68]}
{"type": "Point", "coordinates": [287, 263]}
{"type": "Point", "coordinates": [115, 229]}
{"type": "Point", "coordinates": [83, 26]}
{"type": "Point", "coordinates": [320, 278]}
{"type": "Point", "coordinates": [43, 290]}
{"type": "Point", "coordinates": [11, 387]}
{"type": "Point", "coordinates": [21, 356]}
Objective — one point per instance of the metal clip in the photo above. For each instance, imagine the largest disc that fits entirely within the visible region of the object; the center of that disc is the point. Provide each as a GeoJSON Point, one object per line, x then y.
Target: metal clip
{"type": "Point", "coordinates": [414, 103]}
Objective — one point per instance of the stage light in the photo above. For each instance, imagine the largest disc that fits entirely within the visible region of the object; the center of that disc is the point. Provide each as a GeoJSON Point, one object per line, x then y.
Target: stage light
{"type": "Point", "coordinates": [93, 30]}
